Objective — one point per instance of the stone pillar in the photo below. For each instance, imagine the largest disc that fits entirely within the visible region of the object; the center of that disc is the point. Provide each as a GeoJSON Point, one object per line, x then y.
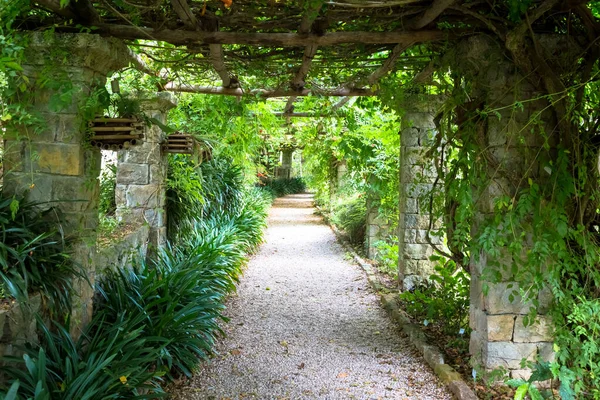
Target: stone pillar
{"type": "Point", "coordinates": [417, 174]}
{"type": "Point", "coordinates": [142, 173]}
{"type": "Point", "coordinates": [285, 170]}
{"type": "Point", "coordinates": [52, 161]}
{"type": "Point", "coordinates": [512, 152]}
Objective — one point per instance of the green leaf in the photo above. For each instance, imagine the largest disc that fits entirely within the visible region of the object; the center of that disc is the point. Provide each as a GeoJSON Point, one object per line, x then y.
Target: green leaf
{"type": "Point", "coordinates": [14, 208]}
{"type": "Point", "coordinates": [14, 65]}
{"type": "Point", "coordinates": [521, 391]}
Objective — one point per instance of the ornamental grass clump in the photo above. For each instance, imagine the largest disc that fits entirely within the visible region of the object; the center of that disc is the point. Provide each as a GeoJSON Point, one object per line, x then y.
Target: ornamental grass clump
{"type": "Point", "coordinates": [110, 360]}
{"type": "Point", "coordinates": [33, 256]}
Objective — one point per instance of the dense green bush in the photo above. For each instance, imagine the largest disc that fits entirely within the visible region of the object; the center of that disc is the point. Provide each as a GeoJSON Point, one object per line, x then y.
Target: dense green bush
{"type": "Point", "coordinates": [350, 215]}
{"type": "Point", "coordinates": [107, 204]}
{"type": "Point", "coordinates": [387, 256]}
{"type": "Point", "coordinates": [284, 186]}
{"type": "Point", "coordinates": [160, 318]}
{"type": "Point", "coordinates": [184, 195]}
{"type": "Point", "coordinates": [443, 300]}
{"type": "Point", "coordinates": [33, 256]}
{"type": "Point", "coordinates": [111, 360]}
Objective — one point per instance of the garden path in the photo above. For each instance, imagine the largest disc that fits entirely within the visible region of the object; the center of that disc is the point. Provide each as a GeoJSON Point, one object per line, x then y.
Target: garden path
{"type": "Point", "coordinates": [305, 325]}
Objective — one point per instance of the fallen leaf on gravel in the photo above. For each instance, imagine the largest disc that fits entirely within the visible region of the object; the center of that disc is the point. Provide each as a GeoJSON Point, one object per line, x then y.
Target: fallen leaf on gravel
{"type": "Point", "coordinates": [342, 375]}
{"type": "Point", "coordinates": [235, 352]}
{"type": "Point", "coordinates": [301, 365]}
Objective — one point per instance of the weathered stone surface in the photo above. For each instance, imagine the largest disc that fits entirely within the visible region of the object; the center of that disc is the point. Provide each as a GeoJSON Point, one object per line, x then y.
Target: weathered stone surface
{"type": "Point", "coordinates": [145, 196]}
{"type": "Point", "coordinates": [500, 327]}
{"type": "Point", "coordinates": [84, 50]}
{"type": "Point", "coordinates": [129, 173]}
{"type": "Point", "coordinates": [118, 255]}
{"type": "Point", "coordinates": [411, 205]}
{"type": "Point", "coordinates": [498, 300]}
{"type": "Point", "coordinates": [59, 159]}
{"type": "Point", "coordinates": [508, 354]}
{"type": "Point", "coordinates": [541, 331]}
{"type": "Point", "coordinates": [417, 251]}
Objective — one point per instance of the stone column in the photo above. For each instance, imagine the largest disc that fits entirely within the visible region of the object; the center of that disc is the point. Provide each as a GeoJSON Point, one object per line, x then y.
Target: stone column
{"type": "Point", "coordinates": [417, 174]}
{"type": "Point", "coordinates": [142, 172]}
{"type": "Point", "coordinates": [52, 161]}
{"type": "Point", "coordinates": [511, 151]}
{"type": "Point", "coordinates": [285, 170]}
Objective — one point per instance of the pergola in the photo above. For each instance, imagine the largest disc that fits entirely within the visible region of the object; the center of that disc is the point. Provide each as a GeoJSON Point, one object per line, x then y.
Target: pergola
{"type": "Point", "coordinates": [304, 42]}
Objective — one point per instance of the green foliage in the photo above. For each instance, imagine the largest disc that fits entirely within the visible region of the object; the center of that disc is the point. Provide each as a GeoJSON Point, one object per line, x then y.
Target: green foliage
{"type": "Point", "coordinates": [387, 256]}
{"type": "Point", "coordinates": [184, 195]}
{"type": "Point", "coordinates": [107, 204]}
{"type": "Point", "coordinates": [540, 373]}
{"type": "Point", "coordinates": [283, 186]}
{"type": "Point", "coordinates": [109, 361]}
{"type": "Point", "coordinates": [222, 186]}
{"type": "Point", "coordinates": [177, 300]}
{"type": "Point", "coordinates": [350, 215]}
{"type": "Point", "coordinates": [33, 255]}
{"type": "Point", "coordinates": [443, 300]}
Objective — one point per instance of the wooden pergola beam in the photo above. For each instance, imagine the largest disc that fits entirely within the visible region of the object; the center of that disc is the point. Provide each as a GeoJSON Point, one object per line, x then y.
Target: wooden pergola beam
{"type": "Point", "coordinates": [182, 37]}
{"type": "Point", "coordinates": [309, 53]}
{"type": "Point", "coordinates": [335, 92]}
{"type": "Point", "coordinates": [217, 58]}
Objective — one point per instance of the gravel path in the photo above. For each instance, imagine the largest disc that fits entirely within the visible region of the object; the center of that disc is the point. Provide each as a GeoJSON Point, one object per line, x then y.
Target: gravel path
{"type": "Point", "coordinates": [305, 325]}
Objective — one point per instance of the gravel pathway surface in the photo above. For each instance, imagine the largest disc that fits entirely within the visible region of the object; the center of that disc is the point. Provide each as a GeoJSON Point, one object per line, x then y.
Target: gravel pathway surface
{"type": "Point", "coordinates": [305, 325]}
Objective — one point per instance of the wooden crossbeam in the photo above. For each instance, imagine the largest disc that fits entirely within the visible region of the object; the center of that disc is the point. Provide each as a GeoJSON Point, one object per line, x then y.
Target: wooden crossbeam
{"type": "Point", "coordinates": [309, 53]}
{"type": "Point", "coordinates": [336, 92]}
{"type": "Point", "coordinates": [182, 37]}
{"type": "Point", "coordinates": [183, 11]}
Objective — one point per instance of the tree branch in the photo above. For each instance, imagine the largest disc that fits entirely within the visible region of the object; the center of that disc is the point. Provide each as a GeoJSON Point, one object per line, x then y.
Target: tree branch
{"type": "Point", "coordinates": [179, 37]}
{"type": "Point", "coordinates": [336, 92]}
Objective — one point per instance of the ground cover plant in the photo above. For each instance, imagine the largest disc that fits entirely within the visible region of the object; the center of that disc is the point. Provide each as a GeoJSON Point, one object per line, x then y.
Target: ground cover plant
{"type": "Point", "coordinates": [159, 319]}
{"type": "Point", "coordinates": [33, 256]}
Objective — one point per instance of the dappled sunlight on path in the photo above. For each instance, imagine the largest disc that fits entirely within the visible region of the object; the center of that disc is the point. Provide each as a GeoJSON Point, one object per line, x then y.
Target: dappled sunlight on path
{"type": "Point", "coordinates": [305, 325]}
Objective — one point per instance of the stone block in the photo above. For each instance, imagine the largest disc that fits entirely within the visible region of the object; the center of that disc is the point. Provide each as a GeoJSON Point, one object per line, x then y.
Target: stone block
{"type": "Point", "coordinates": [410, 205]}
{"type": "Point", "coordinates": [410, 236]}
{"type": "Point", "coordinates": [412, 156]}
{"type": "Point", "coordinates": [74, 193]}
{"type": "Point", "coordinates": [546, 351]}
{"type": "Point", "coordinates": [158, 172]}
{"type": "Point", "coordinates": [144, 196]}
{"type": "Point", "coordinates": [540, 331]}
{"type": "Point", "coordinates": [417, 251]}
{"type": "Point", "coordinates": [145, 154]}
{"type": "Point", "coordinates": [409, 137]}
{"type": "Point", "coordinates": [421, 120]}
{"type": "Point", "coordinates": [423, 234]}
{"type": "Point", "coordinates": [498, 298]}
{"type": "Point", "coordinates": [409, 267]}
{"type": "Point", "coordinates": [476, 293]}
{"type": "Point", "coordinates": [58, 159]}
{"type": "Point", "coordinates": [523, 374]}
{"type": "Point", "coordinates": [155, 218]}
{"type": "Point", "coordinates": [129, 173]}
{"type": "Point", "coordinates": [508, 354]}
{"type": "Point", "coordinates": [500, 327]}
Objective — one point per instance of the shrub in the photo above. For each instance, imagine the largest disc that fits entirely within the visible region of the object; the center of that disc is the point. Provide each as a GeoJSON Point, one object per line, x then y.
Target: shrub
{"type": "Point", "coordinates": [284, 186]}
{"type": "Point", "coordinates": [184, 195]}
{"type": "Point", "coordinates": [222, 186]}
{"type": "Point", "coordinates": [180, 307]}
{"type": "Point", "coordinates": [33, 256]}
{"type": "Point", "coordinates": [110, 360]}
{"type": "Point", "coordinates": [443, 300]}
{"type": "Point", "coordinates": [350, 215]}
{"type": "Point", "coordinates": [107, 204]}
{"type": "Point", "coordinates": [387, 256]}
